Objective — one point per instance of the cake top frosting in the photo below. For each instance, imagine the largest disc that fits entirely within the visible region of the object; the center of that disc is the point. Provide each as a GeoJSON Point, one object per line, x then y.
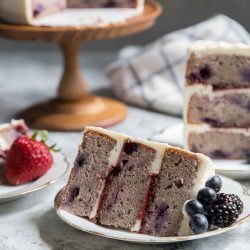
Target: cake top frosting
{"type": "Point", "coordinates": [204, 47]}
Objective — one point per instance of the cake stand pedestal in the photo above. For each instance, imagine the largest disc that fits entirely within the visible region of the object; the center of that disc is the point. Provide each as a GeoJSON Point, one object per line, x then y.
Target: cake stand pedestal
{"type": "Point", "coordinates": [75, 107]}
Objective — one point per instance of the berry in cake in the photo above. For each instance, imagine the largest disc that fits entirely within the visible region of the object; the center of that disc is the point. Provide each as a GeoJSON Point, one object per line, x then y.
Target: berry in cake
{"type": "Point", "coordinates": [28, 159]}
{"type": "Point", "coordinates": [217, 99]}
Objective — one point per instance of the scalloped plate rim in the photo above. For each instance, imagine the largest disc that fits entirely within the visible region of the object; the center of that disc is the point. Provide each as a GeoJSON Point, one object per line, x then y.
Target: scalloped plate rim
{"type": "Point", "coordinates": [153, 239]}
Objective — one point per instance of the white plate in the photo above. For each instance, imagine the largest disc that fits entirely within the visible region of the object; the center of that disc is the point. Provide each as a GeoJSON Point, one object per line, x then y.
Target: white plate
{"type": "Point", "coordinates": [59, 168]}
{"type": "Point", "coordinates": [237, 169]}
{"type": "Point", "coordinates": [229, 186]}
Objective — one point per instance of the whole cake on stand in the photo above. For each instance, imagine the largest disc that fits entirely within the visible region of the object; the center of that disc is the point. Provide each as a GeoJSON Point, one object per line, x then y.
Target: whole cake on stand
{"type": "Point", "coordinates": [75, 107]}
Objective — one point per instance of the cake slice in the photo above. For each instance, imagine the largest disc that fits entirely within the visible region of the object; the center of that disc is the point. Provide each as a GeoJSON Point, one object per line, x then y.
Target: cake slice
{"type": "Point", "coordinates": [217, 99]}
{"type": "Point", "coordinates": [134, 184]}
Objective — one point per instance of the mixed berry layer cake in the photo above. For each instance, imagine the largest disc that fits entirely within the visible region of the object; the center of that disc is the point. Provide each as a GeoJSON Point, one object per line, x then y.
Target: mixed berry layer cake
{"type": "Point", "coordinates": [25, 11]}
{"type": "Point", "coordinates": [135, 184]}
{"type": "Point", "coordinates": [217, 99]}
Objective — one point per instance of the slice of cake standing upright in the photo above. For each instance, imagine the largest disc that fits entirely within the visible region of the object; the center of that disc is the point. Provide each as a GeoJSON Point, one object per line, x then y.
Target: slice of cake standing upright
{"type": "Point", "coordinates": [217, 99]}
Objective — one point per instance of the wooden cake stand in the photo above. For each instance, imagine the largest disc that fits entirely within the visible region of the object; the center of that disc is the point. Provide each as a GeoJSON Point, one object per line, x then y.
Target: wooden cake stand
{"type": "Point", "coordinates": [75, 107]}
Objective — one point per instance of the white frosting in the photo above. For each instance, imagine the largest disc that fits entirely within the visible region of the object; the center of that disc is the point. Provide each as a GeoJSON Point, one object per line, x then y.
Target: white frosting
{"type": "Point", "coordinates": [205, 170]}
{"type": "Point", "coordinates": [6, 135]}
{"type": "Point", "coordinates": [137, 226]}
{"type": "Point", "coordinates": [94, 210]}
{"type": "Point", "coordinates": [20, 12]}
{"type": "Point", "coordinates": [202, 47]}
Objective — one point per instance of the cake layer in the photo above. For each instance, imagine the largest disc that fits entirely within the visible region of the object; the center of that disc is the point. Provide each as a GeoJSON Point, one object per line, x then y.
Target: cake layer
{"type": "Point", "coordinates": [222, 65]}
{"type": "Point", "coordinates": [102, 4]}
{"type": "Point", "coordinates": [218, 143]}
{"type": "Point", "coordinates": [164, 213]}
{"type": "Point", "coordinates": [121, 205]}
{"type": "Point", "coordinates": [119, 177]}
{"type": "Point", "coordinates": [87, 179]}
{"type": "Point", "coordinates": [223, 108]}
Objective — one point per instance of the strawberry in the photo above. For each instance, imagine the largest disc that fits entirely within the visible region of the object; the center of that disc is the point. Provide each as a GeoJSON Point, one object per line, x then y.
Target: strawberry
{"type": "Point", "coordinates": [28, 159]}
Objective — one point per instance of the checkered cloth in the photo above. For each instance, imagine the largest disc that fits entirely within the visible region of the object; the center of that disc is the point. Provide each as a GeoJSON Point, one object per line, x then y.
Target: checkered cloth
{"type": "Point", "coordinates": [153, 76]}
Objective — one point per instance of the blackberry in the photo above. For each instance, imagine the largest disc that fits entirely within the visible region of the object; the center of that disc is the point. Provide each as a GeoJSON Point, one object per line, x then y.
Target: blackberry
{"type": "Point", "coordinates": [233, 199]}
{"type": "Point", "coordinates": [222, 215]}
{"type": "Point", "coordinates": [238, 202]}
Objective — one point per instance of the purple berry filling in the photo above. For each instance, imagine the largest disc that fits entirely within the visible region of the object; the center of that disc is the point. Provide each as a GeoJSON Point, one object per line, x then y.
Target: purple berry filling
{"type": "Point", "coordinates": [202, 75]}
{"type": "Point", "coordinates": [205, 72]}
{"type": "Point", "coordinates": [74, 192]}
{"type": "Point", "coordinates": [219, 154]}
{"type": "Point", "coordinates": [161, 216]}
{"type": "Point", "coordinates": [245, 74]}
{"type": "Point", "coordinates": [115, 197]}
{"type": "Point", "coordinates": [110, 4]}
{"type": "Point", "coordinates": [130, 147]}
{"type": "Point", "coordinates": [212, 122]}
{"type": "Point", "coordinates": [80, 161]}
{"type": "Point", "coordinates": [38, 9]}
{"type": "Point", "coordinates": [238, 100]}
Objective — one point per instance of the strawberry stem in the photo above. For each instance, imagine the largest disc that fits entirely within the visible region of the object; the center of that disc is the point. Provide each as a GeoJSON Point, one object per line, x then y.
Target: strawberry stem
{"type": "Point", "coordinates": [43, 136]}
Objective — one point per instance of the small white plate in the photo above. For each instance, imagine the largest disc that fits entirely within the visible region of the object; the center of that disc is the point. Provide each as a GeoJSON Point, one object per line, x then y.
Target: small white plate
{"type": "Point", "coordinates": [236, 169]}
{"type": "Point", "coordinates": [59, 168]}
{"type": "Point", "coordinates": [229, 186]}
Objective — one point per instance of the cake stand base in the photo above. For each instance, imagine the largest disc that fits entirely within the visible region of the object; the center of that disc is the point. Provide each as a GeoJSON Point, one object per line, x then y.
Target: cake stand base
{"type": "Point", "coordinates": [60, 115]}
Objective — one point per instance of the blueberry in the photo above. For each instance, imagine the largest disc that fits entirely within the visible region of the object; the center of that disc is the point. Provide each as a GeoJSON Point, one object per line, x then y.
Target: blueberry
{"type": "Point", "coordinates": [205, 72]}
{"type": "Point", "coordinates": [130, 147]}
{"type": "Point", "coordinates": [206, 195]}
{"type": "Point", "coordinates": [194, 207]}
{"type": "Point", "coordinates": [215, 183]}
{"type": "Point", "coordinates": [198, 223]}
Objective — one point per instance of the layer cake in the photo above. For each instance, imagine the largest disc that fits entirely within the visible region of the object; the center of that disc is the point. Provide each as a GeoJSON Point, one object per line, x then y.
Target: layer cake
{"type": "Point", "coordinates": [217, 99]}
{"type": "Point", "coordinates": [25, 11]}
{"type": "Point", "coordinates": [134, 184]}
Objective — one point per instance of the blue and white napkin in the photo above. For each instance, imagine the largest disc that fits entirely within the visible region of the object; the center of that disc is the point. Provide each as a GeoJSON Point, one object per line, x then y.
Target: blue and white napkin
{"type": "Point", "coordinates": [152, 77]}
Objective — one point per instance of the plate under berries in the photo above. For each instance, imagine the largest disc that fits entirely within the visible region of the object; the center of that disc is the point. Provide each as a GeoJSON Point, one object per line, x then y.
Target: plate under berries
{"type": "Point", "coordinates": [58, 169]}
{"type": "Point", "coordinates": [229, 186]}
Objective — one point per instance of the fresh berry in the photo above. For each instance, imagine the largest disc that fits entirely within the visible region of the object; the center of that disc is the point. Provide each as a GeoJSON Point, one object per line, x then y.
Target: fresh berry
{"type": "Point", "coordinates": [206, 195]}
{"type": "Point", "coordinates": [194, 207]}
{"type": "Point", "coordinates": [223, 198]}
{"type": "Point", "coordinates": [223, 215]}
{"type": "Point", "coordinates": [27, 160]}
{"type": "Point", "coordinates": [215, 183]}
{"type": "Point", "coordinates": [198, 223]}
